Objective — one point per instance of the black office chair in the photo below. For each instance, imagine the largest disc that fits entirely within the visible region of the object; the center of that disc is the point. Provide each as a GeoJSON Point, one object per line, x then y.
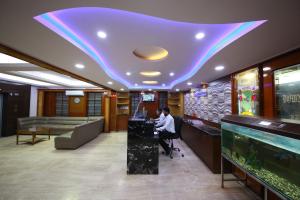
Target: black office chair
{"type": "Point", "coordinates": [177, 135]}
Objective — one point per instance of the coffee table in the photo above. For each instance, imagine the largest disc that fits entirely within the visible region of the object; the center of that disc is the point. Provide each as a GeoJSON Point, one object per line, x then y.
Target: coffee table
{"type": "Point", "coordinates": [33, 131]}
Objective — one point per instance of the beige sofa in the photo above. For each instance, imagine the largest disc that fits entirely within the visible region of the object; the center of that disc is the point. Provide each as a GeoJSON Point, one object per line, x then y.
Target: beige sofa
{"type": "Point", "coordinates": [79, 136]}
{"type": "Point", "coordinates": [57, 125]}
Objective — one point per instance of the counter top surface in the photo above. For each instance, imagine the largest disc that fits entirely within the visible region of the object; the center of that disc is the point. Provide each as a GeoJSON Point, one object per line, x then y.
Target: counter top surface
{"type": "Point", "coordinates": [203, 127]}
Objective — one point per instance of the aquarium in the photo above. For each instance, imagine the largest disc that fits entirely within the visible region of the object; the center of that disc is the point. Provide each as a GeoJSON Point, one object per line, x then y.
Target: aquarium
{"type": "Point", "coordinates": [273, 159]}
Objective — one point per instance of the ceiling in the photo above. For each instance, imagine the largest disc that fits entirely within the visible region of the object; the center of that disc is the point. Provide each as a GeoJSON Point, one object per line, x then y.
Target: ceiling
{"type": "Point", "coordinates": [15, 70]}
{"type": "Point", "coordinates": [170, 24]}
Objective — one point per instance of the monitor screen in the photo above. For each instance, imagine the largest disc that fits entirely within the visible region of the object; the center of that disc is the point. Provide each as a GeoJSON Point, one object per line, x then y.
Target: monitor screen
{"type": "Point", "coordinates": [148, 97]}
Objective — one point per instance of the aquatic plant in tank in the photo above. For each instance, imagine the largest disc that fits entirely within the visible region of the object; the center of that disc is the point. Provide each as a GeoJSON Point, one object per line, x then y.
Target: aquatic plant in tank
{"type": "Point", "coordinates": [271, 158]}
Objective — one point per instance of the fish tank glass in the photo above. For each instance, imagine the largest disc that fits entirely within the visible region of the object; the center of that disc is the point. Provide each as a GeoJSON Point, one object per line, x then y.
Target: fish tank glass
{"type": "Point", "coordinates": [287, 90]}
{"type": "Point", "coordinates": [247, 85]}
{"type": "Point", "coordinates": [272, 159]}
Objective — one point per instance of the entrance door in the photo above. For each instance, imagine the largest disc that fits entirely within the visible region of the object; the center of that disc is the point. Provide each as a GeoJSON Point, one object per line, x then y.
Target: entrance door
{"type": "Point", "coordinates": [77, 106]}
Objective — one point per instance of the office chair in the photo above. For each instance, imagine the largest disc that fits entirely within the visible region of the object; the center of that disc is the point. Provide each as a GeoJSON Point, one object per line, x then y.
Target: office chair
{"type": "Point", "coordinates": [177, 135]}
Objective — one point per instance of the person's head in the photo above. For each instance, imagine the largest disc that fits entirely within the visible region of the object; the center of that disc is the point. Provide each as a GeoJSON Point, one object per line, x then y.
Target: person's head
{"type": "Point", "coordinates": [159, 111]}
{"type": "Point", "coordinates": [166, 111]}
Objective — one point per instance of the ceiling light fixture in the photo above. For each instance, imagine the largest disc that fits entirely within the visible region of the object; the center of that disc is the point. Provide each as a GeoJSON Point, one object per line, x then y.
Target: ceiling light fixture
{"type": "Point", "coordinates": [177, 90]}
{"type": "Point", "coordinates": [266, 69]}
{"type": "Point", "coordinates": [109, 82]}
{"type": "Point", "coordinates": [122, 89]}
{"type": "Point", "coordinates": [18, 79]}
{"type": "Point", "coordinates": [150, 73]}
{"type": "Point", "coordinates": [171, 74]}
{"type": "Point", "coordinates": [265, 75]}
{"type": "Point", "coordinates": [135, 84]}
{"type": "Point", "coordinates": [219, 68]}
{"type": "Point", "coordinates": [200, 36]}
{"type": "Point", "coordinates": [163, 85]}
{"type": "Point", "coordinates": [79, 66]}
{"type": "Point", "coordinates": [149, 89]}
{"type": "Point", "coordinates": [150, 82]}
{"type": "Point", "coordinates": [128, 73]}
{"type": "Point", "coordinates": [6, 59]}
{"type": "Point", "coordinates": [189, 83]}
{"type": "Point", "coordinates": [101, 34]}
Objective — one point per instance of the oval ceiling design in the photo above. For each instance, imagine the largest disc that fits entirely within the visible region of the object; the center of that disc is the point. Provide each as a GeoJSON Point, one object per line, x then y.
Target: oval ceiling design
{"type": "Point", "coordinates": [108, 36]}
{"type": "Point", "coordinates": [150, 73]}
{"type": "Point", "coordinates": [152, 53]}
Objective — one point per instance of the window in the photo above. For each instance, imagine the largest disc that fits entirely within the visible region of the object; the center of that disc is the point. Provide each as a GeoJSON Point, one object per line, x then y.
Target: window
{"type": "Point", "coordinates": [62, 104]}
{"type": "Point", "coordinates": [94, 104]}
{"type": "Point", "coordinates": [287, 84]}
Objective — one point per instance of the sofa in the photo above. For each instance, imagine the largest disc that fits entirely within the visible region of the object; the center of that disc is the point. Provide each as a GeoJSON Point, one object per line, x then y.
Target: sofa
{"type": "Point", "coordinates": [79, 136]}
{"type": "Point", "coordinates": [57, 125]}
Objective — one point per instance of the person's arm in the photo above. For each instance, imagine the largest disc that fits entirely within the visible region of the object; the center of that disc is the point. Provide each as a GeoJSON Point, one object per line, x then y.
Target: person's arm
{"type": "Point", "coordinates": [166, 124]}
{"type": "Point", "coordinates": [160, 122]}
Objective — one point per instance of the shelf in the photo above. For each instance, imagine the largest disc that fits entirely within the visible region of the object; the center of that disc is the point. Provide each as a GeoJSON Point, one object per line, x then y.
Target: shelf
{"type": "Point", "coordinates": [123, 104]}
{"type": "Point", "coordinates": [123, 97]}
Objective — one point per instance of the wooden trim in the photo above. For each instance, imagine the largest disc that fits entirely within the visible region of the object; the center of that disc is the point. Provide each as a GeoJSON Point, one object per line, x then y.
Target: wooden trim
{"type": "Point", "coordinates": [23, 56]}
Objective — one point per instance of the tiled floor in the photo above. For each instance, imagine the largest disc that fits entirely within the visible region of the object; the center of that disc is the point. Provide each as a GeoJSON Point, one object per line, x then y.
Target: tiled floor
{"type": "Point", "coordinates": [97, 170]}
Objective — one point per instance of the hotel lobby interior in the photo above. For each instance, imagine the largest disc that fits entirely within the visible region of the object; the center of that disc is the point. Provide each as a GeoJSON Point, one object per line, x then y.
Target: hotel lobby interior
{"type": "Point", "coordinates": [149, 100]}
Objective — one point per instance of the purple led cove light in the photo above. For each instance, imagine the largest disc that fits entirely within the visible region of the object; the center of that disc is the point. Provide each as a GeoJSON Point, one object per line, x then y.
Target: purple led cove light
{"type": "Point", "coordinates": [58, 26]}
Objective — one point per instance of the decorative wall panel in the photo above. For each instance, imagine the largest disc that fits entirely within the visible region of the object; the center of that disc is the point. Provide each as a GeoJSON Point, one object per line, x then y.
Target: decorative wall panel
{"type": "Point", "coordinates": [213, 105]}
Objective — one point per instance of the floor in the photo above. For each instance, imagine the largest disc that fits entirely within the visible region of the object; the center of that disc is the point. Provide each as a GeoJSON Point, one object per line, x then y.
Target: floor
{"type": "Point", "coordinates": [97, 170]}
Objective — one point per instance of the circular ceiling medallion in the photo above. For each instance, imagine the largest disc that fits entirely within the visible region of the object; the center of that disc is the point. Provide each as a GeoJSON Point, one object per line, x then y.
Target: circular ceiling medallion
{"type": "Point", "coordinates": [150, 82]}
{"type": "Point", "coordinates": [150, 73]}
{"type": "Point", "coordinates": [150, 53]}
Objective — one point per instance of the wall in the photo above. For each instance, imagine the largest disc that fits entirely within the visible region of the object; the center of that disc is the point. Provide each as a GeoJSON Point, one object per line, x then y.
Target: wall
{"type": "Point", "coordinates": [33, 101]}
{"type": "Point", "coordinates": [212, 107]}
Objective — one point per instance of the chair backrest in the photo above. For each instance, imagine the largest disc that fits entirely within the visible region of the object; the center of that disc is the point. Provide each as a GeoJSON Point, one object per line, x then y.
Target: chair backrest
{"type": "Point", "coordinates": [178, 125]}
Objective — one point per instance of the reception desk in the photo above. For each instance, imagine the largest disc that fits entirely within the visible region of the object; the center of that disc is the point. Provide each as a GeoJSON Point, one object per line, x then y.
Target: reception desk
{"type": "Point", "coordinates": [205, 141]}
{"type": "Point", "coordinates": [142, 147]}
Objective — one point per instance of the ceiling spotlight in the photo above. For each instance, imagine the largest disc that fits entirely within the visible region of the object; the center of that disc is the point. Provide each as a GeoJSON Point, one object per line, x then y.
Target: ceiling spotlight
{"type": "Point", "coordinates": [128, 73]}
{"type": "Point", "coordinates": [189, 83]}
{"type": "Point", "coordinates": [265, 75]}
{"type": "Point", "coordinates": [109, 82]}
{"type": "Point", "coordinates": [122, 89]}
{"type": "Point", "coordinates": [101, 34]}
{"type": "Point", "coordinates": [177, 90]}
{"type": "Point", "coordinates": [79, 66]}
{"type": "Point", "coordinates": [171, 74]}
{"type": "Point", "coordinates": [163, 85]}
{"type": "Point", "coordinates": [149, 89]}
{"type": "Point", "coordinates": [150, 82]}
{"type": "Point", "coordinates": [199, 36]}
{"type": "Point", "coordinates": [135, 84]}
{"type": "Point", "coordinates": [219, 68]}
{"type": "Point", "coordinates": [266, 69]}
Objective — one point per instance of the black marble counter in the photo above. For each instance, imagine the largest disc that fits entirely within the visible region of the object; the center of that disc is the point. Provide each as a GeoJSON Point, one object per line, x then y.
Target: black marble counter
{"type": "Point", "coordinates": [142, 148]}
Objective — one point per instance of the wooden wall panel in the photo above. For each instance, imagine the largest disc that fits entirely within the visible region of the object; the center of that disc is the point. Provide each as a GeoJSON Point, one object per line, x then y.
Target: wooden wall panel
{"type": "Point", "coordinates": [40, 103]}
{"type": "Point", "coordinates": [78, 109]}
{"type": "Point", "coordinates": [50, 104]}
{"type": "Point", "coordinates": [113, 112]}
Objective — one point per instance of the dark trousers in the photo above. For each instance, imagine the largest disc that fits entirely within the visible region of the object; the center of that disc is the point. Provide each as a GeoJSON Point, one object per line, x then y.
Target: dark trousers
{"type": "Point", "coordinates": [162, 136]}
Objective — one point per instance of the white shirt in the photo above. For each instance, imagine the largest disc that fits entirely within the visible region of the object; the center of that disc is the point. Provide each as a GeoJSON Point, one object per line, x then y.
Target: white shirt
{"type": "Point", "coordinates": [168, 124]}
{"type": "Point", "coordinates": [160, 120]}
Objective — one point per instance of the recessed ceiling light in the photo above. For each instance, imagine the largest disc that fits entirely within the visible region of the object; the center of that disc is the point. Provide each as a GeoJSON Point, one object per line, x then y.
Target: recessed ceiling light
{"type": "Point", "coordinates": [128, 73]}
{"type": "Point", "coordinates": [200, 36]}
{"type": "Point", "coordinates": [79, 66]}
{"type": "Point", "coordinates": [171, 74]}
{"type": "Point", "coordinates": [101, 34]}
{"type": "Point", "coordinates": [9, 59]}
{"type": "Point", "coordinates": [135, 84]}
{"type": "Point", "coordinates": [150, 82]}
{"type": "Point", "coordinates": [163, 85]}
{"type": "Point", "coordinates": [266, 69]}
{"type": "Point", "coordinates": [150, 89]}
{"type": "Point", "coordinates": [189, 83]}
{"type": "Point", "coordinates": [177, 90]}
{"type": "Point", "coordinates": [219, 68]}
{"type": "Point", "coordinates": [122, 89]}
{"type": "Point", "coordinates": [109, 82]}
{"type": "Point", "coordinates": [150, 73]}
{"type": "Point", "coordinates": [265, 75]}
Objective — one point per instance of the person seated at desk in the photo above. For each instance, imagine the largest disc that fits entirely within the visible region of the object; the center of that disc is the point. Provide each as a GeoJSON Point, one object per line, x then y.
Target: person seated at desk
{"type": "Point", "coordinates": [166, 130]}
{"type": "Point", "coordinates": [160, 120]}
